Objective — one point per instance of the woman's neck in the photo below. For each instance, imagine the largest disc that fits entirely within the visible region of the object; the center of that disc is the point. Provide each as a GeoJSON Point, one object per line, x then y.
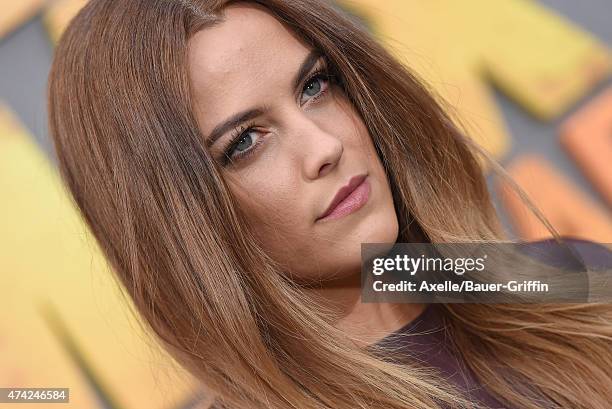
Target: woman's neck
{"type": "Point", "coordinates": [364, 322]}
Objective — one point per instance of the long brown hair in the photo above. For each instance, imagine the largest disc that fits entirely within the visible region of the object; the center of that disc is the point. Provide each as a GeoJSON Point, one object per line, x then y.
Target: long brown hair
{"type": "Point", "coordinates": [131, 153]}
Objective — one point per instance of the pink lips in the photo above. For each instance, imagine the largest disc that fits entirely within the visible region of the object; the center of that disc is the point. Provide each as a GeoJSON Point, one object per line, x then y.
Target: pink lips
{"type": "Point", "coordinates": [348, 199]}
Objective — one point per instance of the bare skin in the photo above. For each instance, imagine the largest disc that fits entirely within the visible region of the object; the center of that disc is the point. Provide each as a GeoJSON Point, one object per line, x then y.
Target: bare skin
{"type": "Point", "coordinates": [302, 143]}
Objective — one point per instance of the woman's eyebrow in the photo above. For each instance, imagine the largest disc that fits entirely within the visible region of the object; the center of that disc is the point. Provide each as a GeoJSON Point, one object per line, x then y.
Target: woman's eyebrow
{"type": "Point", "coordinates": [243, 116]}
{"type": "Point", "coordinates": [231, 123]}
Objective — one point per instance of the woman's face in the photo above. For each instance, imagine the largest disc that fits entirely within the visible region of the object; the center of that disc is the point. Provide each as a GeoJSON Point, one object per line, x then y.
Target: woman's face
{"type": "Point", "coordinates": [288, 140]}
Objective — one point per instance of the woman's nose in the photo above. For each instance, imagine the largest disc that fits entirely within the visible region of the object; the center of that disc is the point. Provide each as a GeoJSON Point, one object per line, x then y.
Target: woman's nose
{"type": "Point", "coordinates": [318, 149]}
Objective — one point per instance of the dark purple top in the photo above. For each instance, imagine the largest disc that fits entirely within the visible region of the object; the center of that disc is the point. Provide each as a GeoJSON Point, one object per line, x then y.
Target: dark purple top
{"type": "Point", "coordinates": [430, 343]}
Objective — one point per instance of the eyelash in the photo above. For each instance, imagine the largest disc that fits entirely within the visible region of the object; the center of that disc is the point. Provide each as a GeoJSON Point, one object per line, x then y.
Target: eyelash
{"type": "Point", "coordinates": [239, 133]}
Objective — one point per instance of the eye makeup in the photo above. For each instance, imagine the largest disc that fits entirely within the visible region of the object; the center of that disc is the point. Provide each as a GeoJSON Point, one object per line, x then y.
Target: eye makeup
{"type": "Point", "coordinates": [243, 133]}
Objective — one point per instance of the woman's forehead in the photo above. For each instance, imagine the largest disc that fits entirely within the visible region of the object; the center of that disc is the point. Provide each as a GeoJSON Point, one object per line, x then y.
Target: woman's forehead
{"type": "Point", "coordinates": [249, 38]}
{"type": "Point", "coordinates": [247, 57]}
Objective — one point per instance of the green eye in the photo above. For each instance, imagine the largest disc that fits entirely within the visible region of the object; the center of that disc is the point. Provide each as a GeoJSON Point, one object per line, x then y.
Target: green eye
{"type": "Point", "coordinates": [244, 142]}
{"type": "Point", "coordinates": [313, 87]}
